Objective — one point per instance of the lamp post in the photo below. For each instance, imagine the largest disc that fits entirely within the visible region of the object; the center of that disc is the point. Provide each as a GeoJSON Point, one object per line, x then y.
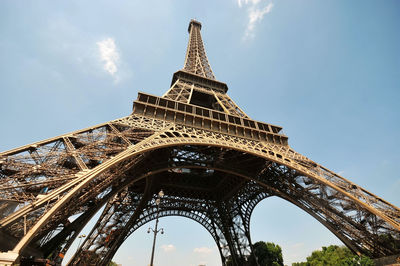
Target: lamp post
{"type": "Point", "coordinates": [155, 231]}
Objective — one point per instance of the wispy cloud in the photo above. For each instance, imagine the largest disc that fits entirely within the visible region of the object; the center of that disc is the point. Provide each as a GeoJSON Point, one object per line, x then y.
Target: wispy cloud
{"type": "Point", "coordinates": [203, 250]}
{"type": "Point", "coordinates": [168, 248]}
{"type": "Point", "coordinates": [253, 2]}
{"type": "Point", "coordinates": [256, 10]}
{"type": "Point", "coordinates": [109, 55]}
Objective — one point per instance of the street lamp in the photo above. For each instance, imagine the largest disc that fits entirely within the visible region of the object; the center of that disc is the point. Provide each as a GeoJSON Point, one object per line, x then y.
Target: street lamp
{"type": "Point", "coordinates": [155, 231]}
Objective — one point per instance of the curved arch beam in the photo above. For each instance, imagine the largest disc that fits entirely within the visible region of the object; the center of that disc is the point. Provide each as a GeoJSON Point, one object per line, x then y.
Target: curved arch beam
{"type": "Point", "coordinates": [258, 199]}
{"type": "Point", "coordinates": [160, 140]}
{"type": "Point", "coordinates": [200, 217]}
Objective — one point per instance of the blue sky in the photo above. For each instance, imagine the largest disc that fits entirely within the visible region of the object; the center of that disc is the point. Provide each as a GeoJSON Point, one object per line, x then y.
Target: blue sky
{"type": "Point", "coordinates": [327, 71]}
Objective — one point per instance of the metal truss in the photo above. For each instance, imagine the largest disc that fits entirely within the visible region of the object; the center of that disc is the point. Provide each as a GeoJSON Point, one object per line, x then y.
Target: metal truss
{"type": "Point", "coordinates": [196, 60]}
{"type": "Point", "coordinates": [213, 162]}
{"type": "Point", "coordinates": [231, 230]}
{"type": "Point", "coordinates": [182, 91]}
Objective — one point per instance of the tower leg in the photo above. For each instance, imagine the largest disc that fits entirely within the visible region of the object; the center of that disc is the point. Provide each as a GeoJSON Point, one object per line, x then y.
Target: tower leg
{"type": "Point", "coordinates": [234, 236]}
{"type": "Point", "coordinates": [111, 226]}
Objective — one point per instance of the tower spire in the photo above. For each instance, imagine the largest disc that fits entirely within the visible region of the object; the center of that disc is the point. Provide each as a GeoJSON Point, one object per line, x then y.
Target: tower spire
{"type": "Point", "coordinates": [196, 61]}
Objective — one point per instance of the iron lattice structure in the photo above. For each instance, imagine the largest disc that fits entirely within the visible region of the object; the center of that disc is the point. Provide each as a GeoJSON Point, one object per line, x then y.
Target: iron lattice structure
{"type": "Point", "coordinates": [213, 162]}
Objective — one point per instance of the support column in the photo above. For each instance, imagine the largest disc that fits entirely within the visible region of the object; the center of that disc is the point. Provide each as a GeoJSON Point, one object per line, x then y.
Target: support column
{"type": "Point", "coordinates": [113, 222]}
{"type": "Point", "coordinates": [233, 230]}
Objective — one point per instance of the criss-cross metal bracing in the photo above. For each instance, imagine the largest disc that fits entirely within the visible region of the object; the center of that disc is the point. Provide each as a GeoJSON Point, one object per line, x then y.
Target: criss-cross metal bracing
{"type": "Point", "coordinates": [213, 162]}
{"type": "Point", "coordinates": [196, 60]}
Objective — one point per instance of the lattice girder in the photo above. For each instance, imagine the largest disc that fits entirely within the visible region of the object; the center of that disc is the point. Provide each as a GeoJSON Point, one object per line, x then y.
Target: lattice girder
{"type": "Point", "coordinates": [178, 156]}
{"type": "Point", "coordinates": [183, 90]}
{"type": "Point", "coordinates": [59, 243]}
{"type": "Point", "coordinates": [203, 212]}
{"type": "Point", "coordinates": [246, 207]}
{"type": "Point", "coordinates": [196, 60]}
{"type": "Point", "coordinates": [280, 155]}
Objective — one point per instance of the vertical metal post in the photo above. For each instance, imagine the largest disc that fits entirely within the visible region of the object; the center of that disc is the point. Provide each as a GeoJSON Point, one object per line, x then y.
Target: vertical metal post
{"type": "Point", "coordinates": [155, 236]}
{"type": "Point", "coordinates": [155, 231]}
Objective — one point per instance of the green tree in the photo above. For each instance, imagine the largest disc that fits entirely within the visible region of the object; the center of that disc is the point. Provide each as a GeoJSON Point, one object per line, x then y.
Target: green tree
{"type": "Point", "coordinates": [267, 254]}
{"type": "Point", "coordinates": [229, 262]}
{"type": "Point", "coordinates": [356, 261]}
{"type": "Point", "coordinates": [112, 263]}
{"type": "Point", "coordinates": [335, 255]}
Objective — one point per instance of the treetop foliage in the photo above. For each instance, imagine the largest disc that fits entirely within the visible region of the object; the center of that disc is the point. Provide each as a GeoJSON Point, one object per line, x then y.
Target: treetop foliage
{"type": "Point", "coordinates": [267, 254]}
{"type": "Point", "coordinates": [335, 256]}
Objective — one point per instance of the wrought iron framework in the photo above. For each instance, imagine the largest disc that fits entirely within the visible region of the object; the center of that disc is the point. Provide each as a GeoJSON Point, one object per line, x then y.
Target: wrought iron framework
{"type": "Point", "coordinates": [213, 162]}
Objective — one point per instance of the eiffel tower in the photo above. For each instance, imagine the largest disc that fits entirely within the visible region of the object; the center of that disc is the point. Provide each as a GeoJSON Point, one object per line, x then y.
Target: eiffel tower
{"type": "Point", "coordinates": [212, 161]}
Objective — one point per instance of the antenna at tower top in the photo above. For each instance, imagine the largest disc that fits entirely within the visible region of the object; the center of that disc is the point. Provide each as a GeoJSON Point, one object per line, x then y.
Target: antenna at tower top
{"type": "Point", "coordinates": [194, 23]}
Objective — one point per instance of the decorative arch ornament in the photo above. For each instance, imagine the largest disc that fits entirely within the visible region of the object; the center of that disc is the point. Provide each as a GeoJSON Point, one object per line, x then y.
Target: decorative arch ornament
{"type": "Point", "coordinates": [213, 162]}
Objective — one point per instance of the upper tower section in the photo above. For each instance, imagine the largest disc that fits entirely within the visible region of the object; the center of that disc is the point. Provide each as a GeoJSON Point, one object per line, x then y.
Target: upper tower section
{"type": "Point", "coordinates": [196, 69]}
{"type": "Point", "coordinates": [196, 61]}
{"type": "Point", "coordinates": [196, 99]}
